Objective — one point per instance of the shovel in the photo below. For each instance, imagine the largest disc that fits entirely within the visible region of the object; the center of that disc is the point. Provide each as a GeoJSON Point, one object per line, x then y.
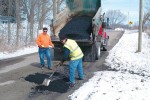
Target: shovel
{"type": "Point", "coordinates": [47, 81]}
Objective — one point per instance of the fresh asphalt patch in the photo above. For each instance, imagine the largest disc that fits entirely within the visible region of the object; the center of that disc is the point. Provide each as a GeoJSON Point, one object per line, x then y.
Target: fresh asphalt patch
{"type": "Point", "coordinates": [36, 78]}
{"type": "Point", "coordinates": [58, 84]}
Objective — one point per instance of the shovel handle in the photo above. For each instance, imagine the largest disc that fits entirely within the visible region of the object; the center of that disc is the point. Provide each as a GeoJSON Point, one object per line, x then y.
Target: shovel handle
{"type": "Point", "coordinates": [54, 71]}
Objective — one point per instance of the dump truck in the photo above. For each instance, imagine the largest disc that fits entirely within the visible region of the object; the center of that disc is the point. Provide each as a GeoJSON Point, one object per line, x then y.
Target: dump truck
{"type": "Point", "coordinates": [80, 21]}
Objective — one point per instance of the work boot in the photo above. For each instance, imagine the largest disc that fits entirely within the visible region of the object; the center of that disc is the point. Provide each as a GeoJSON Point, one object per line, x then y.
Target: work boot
{"type": "Point", "coordinates": [49, 68]}
{"type": "Point", "coordinates": [80, 78]}
{"type": "Point", "coordinates": [71, 85]}
{"type": "Point", "coordinates": [42, 66]}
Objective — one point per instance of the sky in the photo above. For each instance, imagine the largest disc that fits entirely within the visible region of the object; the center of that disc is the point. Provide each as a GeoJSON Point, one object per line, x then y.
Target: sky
{"type": "Point", "coordinates": [130, 78]}
{"type": "Point", "coordinates": [129, 7]}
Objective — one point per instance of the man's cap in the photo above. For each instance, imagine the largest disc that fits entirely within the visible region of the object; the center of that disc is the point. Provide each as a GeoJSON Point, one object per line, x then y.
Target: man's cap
{"type": "Point", "coordinates": [62, 36]}
{"type": "Point", "coordinates": [45, 28]}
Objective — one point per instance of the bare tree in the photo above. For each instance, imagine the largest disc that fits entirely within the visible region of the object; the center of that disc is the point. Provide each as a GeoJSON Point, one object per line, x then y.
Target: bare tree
{"type": "Point", "coordinates": [54, 9]}
{"type": "Point", "coordinates": [17, 2]}
{"type": "Point", "coordinates": [9, 32]}
{"type": "Point", "coordinates": [37, 12]}
{"type": "Point", "coordinates": [32, 20]}
{"type": "Point", "coordinates": [29, 8]}
{"type": "Point", "coordinates": [146, 17]}
{"type": "Point", "coordinates": [115, 17]}
{"type": "Point", "coordinates": [147, 7]}
{"type": "Point", "coordinates": [43, 12]}
{"type": "Point", "coordinates": [58, 6]}
{"type": "Point", "coordinates": [45, 7]}
{"type": "Point", "coordinates": [10, 14]}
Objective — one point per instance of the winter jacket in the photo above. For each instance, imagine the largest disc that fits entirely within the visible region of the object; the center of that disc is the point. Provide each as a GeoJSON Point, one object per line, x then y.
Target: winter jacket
{"type": "Point", "coordinates": [44, 40]}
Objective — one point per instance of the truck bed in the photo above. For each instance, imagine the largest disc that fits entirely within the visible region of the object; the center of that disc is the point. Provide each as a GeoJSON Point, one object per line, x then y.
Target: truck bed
{"type": "Point", "coordinates": [78, 28]}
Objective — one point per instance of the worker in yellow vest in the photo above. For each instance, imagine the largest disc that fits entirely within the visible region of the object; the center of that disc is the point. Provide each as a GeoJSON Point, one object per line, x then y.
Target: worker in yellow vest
{"type": "Point", "coordinates": [73, 51]}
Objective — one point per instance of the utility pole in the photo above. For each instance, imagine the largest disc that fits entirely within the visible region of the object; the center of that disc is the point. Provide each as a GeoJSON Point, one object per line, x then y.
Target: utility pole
{"type": "Point", "coordinates": [140, 26]}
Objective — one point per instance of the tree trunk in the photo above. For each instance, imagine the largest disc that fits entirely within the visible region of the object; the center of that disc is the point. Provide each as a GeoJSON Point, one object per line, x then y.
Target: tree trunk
{"type": "Point", "coordinates": [54, 9]}
{"type": "Point", "coordinates": [9, 13]}
{"type": "Point", "coordinates": [26, 42]}
{"type": "Point", "coordinates": [58, 6]}
{"type": "Point", "coordinates": [40, 24]}
{"type": "Point", "coordinates": [32, 21]}
{"type": "Point", "coordinates": [18, 21]}
{"type": "Point", "coordinates": [38, 16]}
{"type": "Point", "coordinates": [43, 14]}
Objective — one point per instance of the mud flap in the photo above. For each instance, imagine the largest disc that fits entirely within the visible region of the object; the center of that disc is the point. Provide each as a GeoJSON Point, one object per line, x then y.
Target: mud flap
{"type": "Point", "coordinates": [89, 53]}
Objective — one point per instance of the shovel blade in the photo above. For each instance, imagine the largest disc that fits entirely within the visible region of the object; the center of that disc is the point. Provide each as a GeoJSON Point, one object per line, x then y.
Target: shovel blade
{"type": "Point", "coordinates": [46, 82]}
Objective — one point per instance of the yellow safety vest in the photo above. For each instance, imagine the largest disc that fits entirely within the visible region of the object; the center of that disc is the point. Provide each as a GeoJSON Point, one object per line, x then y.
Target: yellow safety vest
{"type": "Point", "coordinates": [75, 51]}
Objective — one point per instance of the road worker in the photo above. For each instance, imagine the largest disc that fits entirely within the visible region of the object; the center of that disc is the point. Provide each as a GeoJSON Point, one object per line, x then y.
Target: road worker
{"type": "Point", "coordinates": [72, 51]}
{"type": "Point", "coordinates": [44, 43]}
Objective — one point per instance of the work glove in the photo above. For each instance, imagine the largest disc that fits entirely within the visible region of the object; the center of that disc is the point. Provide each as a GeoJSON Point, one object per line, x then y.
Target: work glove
{"type": "Point", "coordinates": [42, 46]}
{"type": "Point", "coordinates": [51, 46]}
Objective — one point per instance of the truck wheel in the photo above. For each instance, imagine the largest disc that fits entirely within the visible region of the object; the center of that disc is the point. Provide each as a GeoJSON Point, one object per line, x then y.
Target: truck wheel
{"type": "Point", "coordinates": [98, 51]}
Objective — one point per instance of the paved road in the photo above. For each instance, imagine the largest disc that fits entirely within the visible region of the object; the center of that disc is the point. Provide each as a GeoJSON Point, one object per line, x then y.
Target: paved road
{"type": "Point", "coordinates": [21, 77]}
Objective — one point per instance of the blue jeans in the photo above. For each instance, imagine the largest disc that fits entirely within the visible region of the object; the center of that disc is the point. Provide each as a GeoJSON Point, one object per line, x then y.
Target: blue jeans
{"type": "Point", "coordinates": [42, 52]}
{"type": "Point", "coordinates": [73, 65]}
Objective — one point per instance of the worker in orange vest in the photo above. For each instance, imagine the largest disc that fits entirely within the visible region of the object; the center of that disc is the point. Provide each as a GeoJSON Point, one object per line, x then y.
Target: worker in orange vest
{"type": "Point", "coordinates": [44, 43]}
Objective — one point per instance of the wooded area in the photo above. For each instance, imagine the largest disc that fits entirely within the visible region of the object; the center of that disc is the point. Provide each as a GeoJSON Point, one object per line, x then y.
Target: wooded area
{"type": "Point", "coordinates": [30, 17]}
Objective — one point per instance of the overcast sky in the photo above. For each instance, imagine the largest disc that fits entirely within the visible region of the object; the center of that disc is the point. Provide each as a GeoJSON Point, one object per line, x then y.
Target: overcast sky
{"type": "Point", "coordinates": [129, 7]}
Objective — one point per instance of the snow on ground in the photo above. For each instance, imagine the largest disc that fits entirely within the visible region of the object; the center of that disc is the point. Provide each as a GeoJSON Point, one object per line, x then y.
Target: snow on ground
{"type": "Point", "coordinates": [119, 29]}
{"type": "Point", "coordinates": [24, 51]}
{"type": "Point", "coordinates": [124, 57]}
{"type": "Point", "coordinates": [110, 85]}
{"type": "Point", "coordinates": [131, 78]}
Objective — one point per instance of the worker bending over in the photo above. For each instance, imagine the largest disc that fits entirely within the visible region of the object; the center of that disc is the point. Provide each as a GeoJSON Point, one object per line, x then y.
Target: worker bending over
{"type": "Point", "coordinates": [73, 51]}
